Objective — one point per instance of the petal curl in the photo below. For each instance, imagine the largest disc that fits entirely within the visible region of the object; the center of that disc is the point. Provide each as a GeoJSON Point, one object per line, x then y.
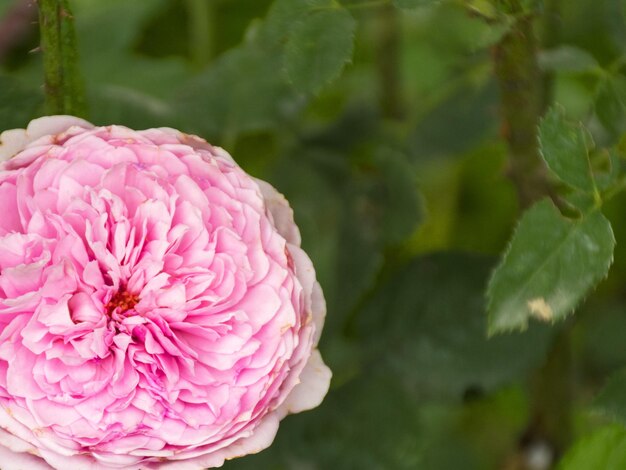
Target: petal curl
{"type": "Point", "coordinates": [15, 140]}
{"type": "Point", "coordinates": [313, 386]}
{"type": "Point", "coordinates": [281, 211]}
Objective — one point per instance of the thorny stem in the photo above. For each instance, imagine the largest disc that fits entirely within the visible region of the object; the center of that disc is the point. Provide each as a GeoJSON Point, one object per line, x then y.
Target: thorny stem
{"type": "Point", "coordinates": [521, 91]}
{"type": "Point", "coordinates": [525, 94]}
{"type": "Point", "coordinates": [64, 89]}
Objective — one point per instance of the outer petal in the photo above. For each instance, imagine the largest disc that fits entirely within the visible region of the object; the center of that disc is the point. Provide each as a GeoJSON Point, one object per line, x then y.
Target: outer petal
{"type": "Point", "coordinates": [21, 461]}
{"type": "Point", "coordinates": [306, 275]}
{"type": "Point", "coordinates": [220, 152]}
{"type": "Point", "coordinates": [281, 212]}
{"type": "Point", "coordinates": [15, 140]}
{"type": "Point", "coordinates": [77, 462]}
{"type": "Point", "coordinates": [313, 386]}
{"type": "Point", "coordinates": [315, 378]}
{"type": "Point", "coordinates": [261, 439]}
{"type": "Point", "coordinates": [318, 307]}
{"type": "Point", "coordinates": [11, 142]}
{"type": "Point", "coordinates": [14, 454]}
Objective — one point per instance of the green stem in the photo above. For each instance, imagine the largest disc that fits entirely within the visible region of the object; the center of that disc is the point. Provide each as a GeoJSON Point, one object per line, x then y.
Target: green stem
{"type": "Point", "coordinates": [65, 93]}
{"type": "Point", "coordinates": [201, 18]}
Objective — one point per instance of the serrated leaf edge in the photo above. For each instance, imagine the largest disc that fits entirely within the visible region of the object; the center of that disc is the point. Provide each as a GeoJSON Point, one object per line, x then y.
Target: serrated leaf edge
{"type": "Point", "coordinates": [339, 71]}
{"type": "Point", "coordinates": [493, 330]}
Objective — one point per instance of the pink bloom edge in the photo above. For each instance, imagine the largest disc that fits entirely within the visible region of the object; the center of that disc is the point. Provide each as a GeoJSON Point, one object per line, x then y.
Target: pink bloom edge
{"type": "Point", "coordinates": [313, 382]}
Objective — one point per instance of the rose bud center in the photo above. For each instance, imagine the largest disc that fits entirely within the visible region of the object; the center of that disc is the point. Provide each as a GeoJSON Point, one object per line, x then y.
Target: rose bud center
{"type": "Point", "coordinates": [121, 302]}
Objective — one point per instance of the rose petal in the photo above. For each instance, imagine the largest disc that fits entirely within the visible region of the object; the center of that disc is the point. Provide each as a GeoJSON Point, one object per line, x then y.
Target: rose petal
{"type": "Point", "coordinates": [313, 386]}
{"type": "Point", "coordinates": [158, 311]}
{"type": "Point", "coordinates": [15, 140]}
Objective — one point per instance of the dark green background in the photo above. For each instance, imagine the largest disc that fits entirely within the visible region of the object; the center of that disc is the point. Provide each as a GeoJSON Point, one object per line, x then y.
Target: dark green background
{"type": "Point", "coordinates": [396, 171]}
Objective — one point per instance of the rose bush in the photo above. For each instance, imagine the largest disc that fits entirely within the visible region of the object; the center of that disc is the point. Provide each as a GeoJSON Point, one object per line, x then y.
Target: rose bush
{"type": "Point", "coordinates": [156, 310]}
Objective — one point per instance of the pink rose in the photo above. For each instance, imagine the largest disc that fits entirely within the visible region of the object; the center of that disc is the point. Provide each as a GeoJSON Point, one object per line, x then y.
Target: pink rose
{"type": "Point", "coordinates": [156, 310]}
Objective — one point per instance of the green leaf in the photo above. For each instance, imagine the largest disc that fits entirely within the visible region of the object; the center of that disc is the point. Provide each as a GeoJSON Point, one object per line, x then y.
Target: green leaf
{"type": "Point", "coordinates": [484, 8]}
{"type": "Point", "coordinates": [612, 399]}
{"type": "Point", "coordinates": [318, 48]}
{"type": "Point", "coordinates": [96, 20]}
{"type": "Point", "coordinates": [578, 203]}
{"type": "Point", "coordinates": [408, 4]}
{"type": "Point", "coordinates": [453, 30]}
{"type": "Point", "coordinates": [425, 324]}
{"type": "Point", "coordinates": [610, 105]}
{"type": "Point", "coordinates": [108, 36]}
{"type": "Point", "coordinates": [550, 265]}
{"type": "Point", "coordinates": [493, 33]}
{"type": "Point", "coordinates": [564, 149]}
{"type": "Point", "coordinates": [381, 207]}
{"type": "Point", "coordinates": [224, 99]}
{"type": "Point", "coordinates": [396, 197]}
{"type": "Point", "coordinates": [607, 168]}
{"type": "Point", "coordinates": [284, 15]}
{"type": "Point", "coordinates": [349, 214]}
{"type": "Point", "coordinates": [467, 112]}
{"type": "Point", "coordinates": [605, 449]}
{"type": "Point", "coordinates": [567, 59]}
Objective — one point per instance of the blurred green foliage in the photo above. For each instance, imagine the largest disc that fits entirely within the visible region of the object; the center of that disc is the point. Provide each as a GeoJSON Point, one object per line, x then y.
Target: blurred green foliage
{"type": "Point", "coordinates": [379, 120]}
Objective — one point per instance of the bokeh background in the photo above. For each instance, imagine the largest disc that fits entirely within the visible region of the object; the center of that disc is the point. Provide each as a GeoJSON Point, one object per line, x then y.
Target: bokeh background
{"type": "Point", "coordinates": [396, 166]}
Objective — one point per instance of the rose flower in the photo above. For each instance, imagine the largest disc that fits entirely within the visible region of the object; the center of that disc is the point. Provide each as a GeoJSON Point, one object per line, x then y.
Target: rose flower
{"type": "Point", "coordinates": [156, 309]}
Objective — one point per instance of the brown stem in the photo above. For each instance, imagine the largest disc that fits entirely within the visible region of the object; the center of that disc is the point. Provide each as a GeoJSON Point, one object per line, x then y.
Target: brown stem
{"type": "Point", "coordinates": [525, 93]}
{"type": "Point", "coordinates": [521, 92]}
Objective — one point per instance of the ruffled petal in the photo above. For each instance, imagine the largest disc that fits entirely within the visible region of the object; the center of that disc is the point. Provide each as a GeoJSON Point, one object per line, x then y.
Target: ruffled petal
{"type": "Point", "coordinates": [15, 140]}
{"type": "Point", "coordinates": [157, 309]}
{"type": "Point", "coordinates": [313, 386]}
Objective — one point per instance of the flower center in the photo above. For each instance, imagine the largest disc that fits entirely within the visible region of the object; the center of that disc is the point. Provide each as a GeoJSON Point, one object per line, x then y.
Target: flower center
{"type": "Point", "coordinates": [122, 300]}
